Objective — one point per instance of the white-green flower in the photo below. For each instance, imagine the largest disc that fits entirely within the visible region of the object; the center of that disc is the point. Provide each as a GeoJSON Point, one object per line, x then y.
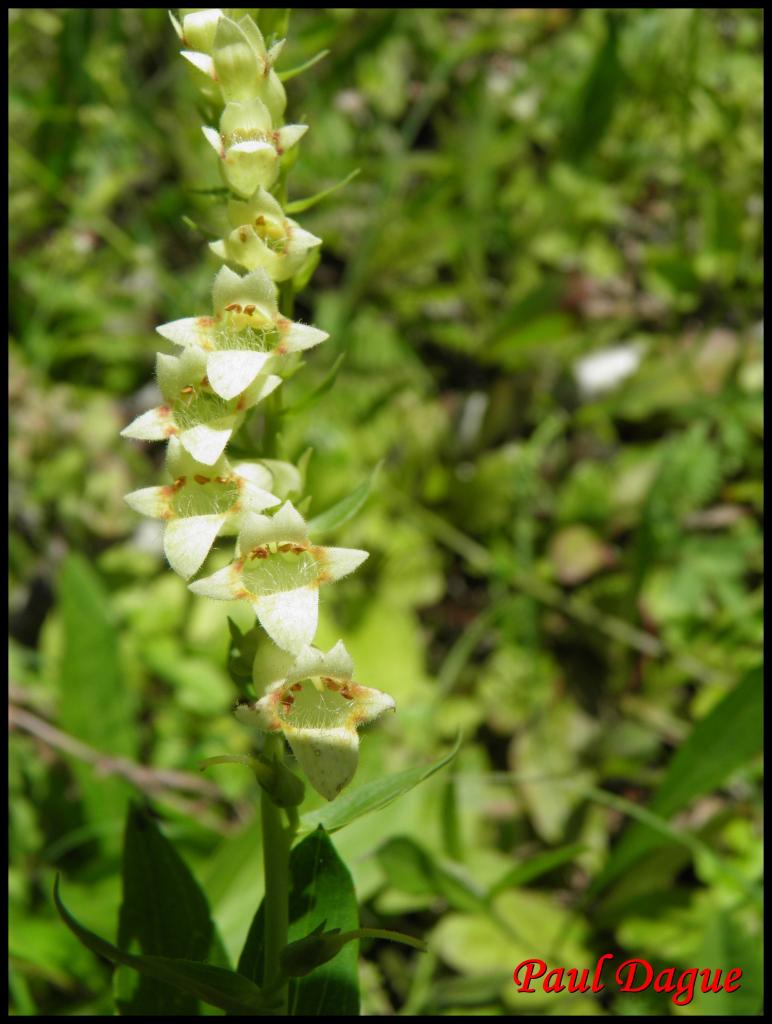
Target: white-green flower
{"type": "Point", "coordinates": [263, 237]}
{"type": "Point", "coordinates": [202, 419]}
{"type": "Point", "coordinates": [318, 707]}
{"type": "Point", "coordinates": [248, 145]}
{"type": "Point", "coordinates": [197, 28]}
{"type": "Point", "coordinates": [204, 502]}
{"type": "Point", "coordinates": [233, 55]}
{"type": "Point", "coordinates": [279, 572]}
{"type": "Point", "coordinates": [246, 334]}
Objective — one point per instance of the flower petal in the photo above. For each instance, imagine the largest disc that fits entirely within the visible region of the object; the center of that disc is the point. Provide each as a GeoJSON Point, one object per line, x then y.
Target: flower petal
{"type": "Point", "coordinates": [328, 757]}
{"type": "Point", "coordinates": [285, 525]}
{"type": "Point", "coordinates": [255, 287]}
{"type": "Point", "coordinates": [230, 373]}
{"type": "Point", "coordinates": [255, 473]}
{"type": "Point", "coordinates": [212, 136]}
{"type": "Point", "coordinates": [286, 477]}
{"type": "Point", "coordinates": [223, 585]}
{"type": "Point", "coordinates": [255, 499]}
{"type": "Point", "coordinates": [201, 61]}
{"type": "Point", "coordinates": [187, 542]}
{"type": "Point", "coordinates": [189, 331]}
{"type": "Point", "coordinates": [291, 134]}
{"type": "Point", "coordinates": [252, 116]}
{"type": "Point", "coordinates": [249, 164]}
{"type": "Point", "coordinates": [154, 425]}
{"type": "Point", "coordinates": [289, 617]}
{"type": "Point", "coordinates": [150, 501]}
{"type": "Point", "coordinates": [338, 562]}
{"type": "Point", "coordinates": [300, 337]}
{"type": "Point", "coordinates": [261, 388]}
{"type": "Point", "coordinates": [199, 28]}
{"type": "Point", "coordinates": [338, 662]}
{"type": "Point", "coordinates": [204, 443]}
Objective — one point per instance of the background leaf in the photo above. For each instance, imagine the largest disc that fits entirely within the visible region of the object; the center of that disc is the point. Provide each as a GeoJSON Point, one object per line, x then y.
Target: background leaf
{"type": "Point", "coordinates": [163, 911]}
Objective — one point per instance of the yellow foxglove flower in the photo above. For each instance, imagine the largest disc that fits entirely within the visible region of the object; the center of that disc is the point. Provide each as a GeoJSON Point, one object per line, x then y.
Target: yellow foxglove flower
{"type": "Point", "coordinates": [249, 147]}
{"type": "Point", "coordinates": [244, 336]}
{"type": "Point", "coordinates": [263, 237]}
{"type": "Point", "coordinates": [192, 411]}
{"type": "Point", "coordinates": [230, 59]}
{"type": "Point", "coordinates": [204, 502]}
{"type": "Point", "coordinates": [318, 707]}
{"type": "Point", "coordinates": [279, 572]}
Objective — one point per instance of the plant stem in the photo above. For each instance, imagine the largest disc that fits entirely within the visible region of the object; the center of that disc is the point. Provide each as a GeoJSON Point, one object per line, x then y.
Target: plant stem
{"type": "Point", "coordinates": [276, 875]}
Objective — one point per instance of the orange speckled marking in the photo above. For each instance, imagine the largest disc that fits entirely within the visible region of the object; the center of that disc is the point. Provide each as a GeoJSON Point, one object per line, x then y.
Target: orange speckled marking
{"type": "Point", "coordinates": [296, 687]}
{"type": "Point", "coordinates": [249, 310]}
{"type": "Point", "coordinates": [200, 479]}
{"type": "Point", "coordinates": [233, 308]}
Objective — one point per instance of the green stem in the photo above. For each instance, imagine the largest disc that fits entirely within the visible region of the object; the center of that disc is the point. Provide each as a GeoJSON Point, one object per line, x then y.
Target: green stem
{"type": "Point", "coordinates": [276, 844]}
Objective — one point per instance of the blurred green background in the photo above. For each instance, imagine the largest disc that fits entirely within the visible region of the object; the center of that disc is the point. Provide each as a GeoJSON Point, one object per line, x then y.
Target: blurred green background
{"type": "Point", "coordinates": [545, 283]}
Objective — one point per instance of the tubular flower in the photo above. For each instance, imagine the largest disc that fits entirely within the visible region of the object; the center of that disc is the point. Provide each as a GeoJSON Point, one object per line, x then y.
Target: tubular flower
{"type": "Point", "coordinates": [202, 419]}
{"type": "Point", "coordinates": [202, 503]}
{"type": "Point", "coordinates": [236, 58]}
{"type": "Point", "coordinates": [244, 336]}
{"type": "Point", "coordinates": [279, 571]}
{"type": "Point", "coordinates": [263, 237]}
{"type": "Point", "coordinates": [318, 707]}
{"type": "Point", "coordinates": [248, 146]}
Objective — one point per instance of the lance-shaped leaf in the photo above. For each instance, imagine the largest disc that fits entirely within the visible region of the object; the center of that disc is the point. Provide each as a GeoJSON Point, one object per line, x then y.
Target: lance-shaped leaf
{"type": "Point", "coordinates": [201, 503]}
{"type": "Point", "coordinates": [318, 707]}
{"type": "Point", "coordinates": [248, 145]}
{"type": "Point", "coordinates": [246, 336]}
{"type": "Point", "coordinates": [263, 237]}
{"type": "Point", "coordinates": [279, 571]}
{"type": "Point", "coordinates": [192, 411]}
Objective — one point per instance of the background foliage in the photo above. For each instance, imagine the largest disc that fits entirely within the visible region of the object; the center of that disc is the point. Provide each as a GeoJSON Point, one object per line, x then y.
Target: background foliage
{"type": "Point", "coordinates": [566, 566]}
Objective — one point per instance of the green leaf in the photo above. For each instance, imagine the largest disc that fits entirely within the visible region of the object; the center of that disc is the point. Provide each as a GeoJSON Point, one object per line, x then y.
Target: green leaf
{"type": "Point", "coordinates": [95, 704]}
{"type": "Point", "coordinates": [537, 866]}
{"type": "Point", "coordinates": [322, 899]}
{"type": "Point", "coordinates": [593, 107]}
{"type": "Point", "coordinates": [345, 509]}
{"type": "Point", "coordinates": [410, 868]}
{"type": "Point", "coordinates": [285, 76]}
{"type": "Point", "coordinates": [214, 985]}
{"type": "Point", "coordinates": [301, 205]}
{"type": "Point", "coordinates": [718, 745]}
{"type": "Point", "coordinates": [163, 910]}
{"type": "Point", "coordinates": [322, 389]}
{"type": "Point", "coordinates": [373, 795]}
